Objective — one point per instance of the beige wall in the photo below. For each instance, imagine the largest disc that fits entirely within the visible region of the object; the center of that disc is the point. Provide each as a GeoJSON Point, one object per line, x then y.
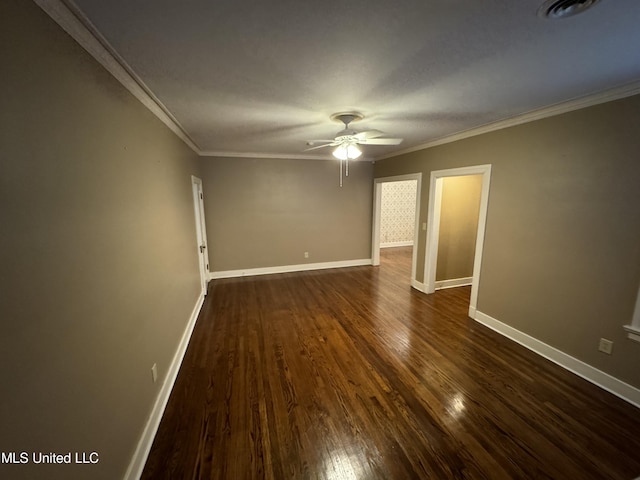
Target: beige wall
{"type": "Point", "coordinates": [268, 212]}
{"type": "Point", "coordinates": [99, 266]}
{"type": "Point", "coordinates": [562, 244]}
{"type": "Point", "coordinates": [458, 226]}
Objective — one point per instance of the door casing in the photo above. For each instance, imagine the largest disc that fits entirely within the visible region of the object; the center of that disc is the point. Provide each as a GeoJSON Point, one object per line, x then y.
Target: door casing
{"type": "Point", "coordinates": [377, 203]}
{"type": "Point", "coordinates": [433, 227]}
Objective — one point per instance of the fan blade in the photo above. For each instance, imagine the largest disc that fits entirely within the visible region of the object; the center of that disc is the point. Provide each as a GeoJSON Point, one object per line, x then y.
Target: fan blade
{"type": "Point", "coordinates": [369, 134]}
{"type": "Point", "coordinates": [380, 141]}
{"type": "Point", "coordinates": [320, 146]}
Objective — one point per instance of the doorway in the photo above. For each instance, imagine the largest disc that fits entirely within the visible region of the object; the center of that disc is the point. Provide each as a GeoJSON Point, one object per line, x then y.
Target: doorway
{"type": "Point", "coordinates": [379, 183]}
{"type": "Point", "coordinates": [433, 227]}
{"type": "Point", "coordinates": [201, 233]}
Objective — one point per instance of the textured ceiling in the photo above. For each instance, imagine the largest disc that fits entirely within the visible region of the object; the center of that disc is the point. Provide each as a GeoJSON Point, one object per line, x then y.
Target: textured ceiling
{"type": "Point", "coordinates": [263, 77]}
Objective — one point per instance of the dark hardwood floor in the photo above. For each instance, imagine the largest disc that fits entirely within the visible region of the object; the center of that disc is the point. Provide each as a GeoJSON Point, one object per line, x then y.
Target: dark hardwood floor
{"type": "Point", "coordinates": [350, 374]}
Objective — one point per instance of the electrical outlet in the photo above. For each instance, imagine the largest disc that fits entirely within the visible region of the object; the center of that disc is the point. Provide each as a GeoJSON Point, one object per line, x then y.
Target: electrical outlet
{"type": "Point", "coordinates": [605, 346]}
{"type": "Point", "coordinates": [154, 373]}
{"type": "Point", "coordinates": [424, 226]}
{"type": "Point", "coordinates": [306, 254]}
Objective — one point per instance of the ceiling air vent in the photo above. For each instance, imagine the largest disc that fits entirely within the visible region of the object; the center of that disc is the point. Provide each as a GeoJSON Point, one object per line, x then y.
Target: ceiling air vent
{"type": "Point", "coordinates": [554, 9]}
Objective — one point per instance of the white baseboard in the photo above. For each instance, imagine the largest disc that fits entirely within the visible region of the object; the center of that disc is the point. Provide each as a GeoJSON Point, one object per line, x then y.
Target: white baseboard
{"type": "Point", "coordinates": [397, 244]}
{"type": "Point", "coordinates": [418, 285]}
{"type": "Point", "coordinates": [139, 458]}
{"type": "Point", "coordinates": [603, 380]}
{"type": "Point", "coordinates": [633, 332]}
{"type": "Point", "coordinates": [454, 282]}
{"type": "Point", "coordinates": [289, 268]}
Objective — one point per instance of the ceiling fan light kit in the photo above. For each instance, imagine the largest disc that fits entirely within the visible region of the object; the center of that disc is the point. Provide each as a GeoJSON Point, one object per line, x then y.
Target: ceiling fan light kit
{"type": "Point", "coordinates": [347, 152]}
{"type": "Point", "coordinates": [347, 140]}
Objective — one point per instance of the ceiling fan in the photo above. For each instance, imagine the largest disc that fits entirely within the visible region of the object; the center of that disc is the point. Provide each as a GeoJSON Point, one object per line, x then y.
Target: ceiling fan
{"type": "Point", "coordinates": [347, 140]}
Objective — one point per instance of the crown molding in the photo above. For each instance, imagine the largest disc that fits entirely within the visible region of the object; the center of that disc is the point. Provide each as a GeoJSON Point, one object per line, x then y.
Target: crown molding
{"type": "Point", "coordinates": [280, 156]}
{"type": "Point", "coordinates": [285, 156]}
{"type": "Point", "coordinates": [69, 17]}
{"type": "Point", "coordinates": [610, 95]}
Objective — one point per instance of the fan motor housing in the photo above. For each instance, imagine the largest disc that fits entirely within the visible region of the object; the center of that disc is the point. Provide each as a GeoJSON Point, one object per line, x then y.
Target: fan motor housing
{"type": "Point", "coordinates": [347, 132]}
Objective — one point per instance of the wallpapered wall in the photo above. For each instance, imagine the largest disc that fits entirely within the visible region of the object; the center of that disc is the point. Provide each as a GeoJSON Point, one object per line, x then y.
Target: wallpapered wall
{"type": "Point", "coordinates": [398, 213]}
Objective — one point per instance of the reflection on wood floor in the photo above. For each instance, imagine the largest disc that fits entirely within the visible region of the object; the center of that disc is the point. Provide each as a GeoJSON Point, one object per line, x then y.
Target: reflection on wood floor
{"type": "Point", "coordinates": [351, 374]}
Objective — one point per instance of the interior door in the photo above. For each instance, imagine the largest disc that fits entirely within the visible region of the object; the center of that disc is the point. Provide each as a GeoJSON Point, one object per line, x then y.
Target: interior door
{"type": "Point", "coordinates": [201, 232]}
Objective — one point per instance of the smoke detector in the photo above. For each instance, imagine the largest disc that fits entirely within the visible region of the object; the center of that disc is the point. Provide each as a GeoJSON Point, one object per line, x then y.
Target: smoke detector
{"type": "Point", "coordinates": [555, 9]}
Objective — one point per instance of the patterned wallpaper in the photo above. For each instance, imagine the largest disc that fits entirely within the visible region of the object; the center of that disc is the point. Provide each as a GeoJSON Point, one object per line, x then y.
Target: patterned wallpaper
{"type": "Point", "coordinates": [398, 212]}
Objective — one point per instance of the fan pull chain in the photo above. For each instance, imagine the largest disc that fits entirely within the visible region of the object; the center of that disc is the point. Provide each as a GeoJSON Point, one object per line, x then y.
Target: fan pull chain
{"type": "Point", "coordinates": [346, 164]}
{"type": "Point", "coordinates": [340, 173]}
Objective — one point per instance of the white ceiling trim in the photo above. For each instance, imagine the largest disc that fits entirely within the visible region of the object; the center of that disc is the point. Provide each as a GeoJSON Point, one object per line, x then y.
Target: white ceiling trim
{"type": "Point", "coordinates": [72, 21]}
{"type": "Point", "coordinates": [265, 155]}
{"type": "Point", "coordinates": [281, 156]}
{"type": "Point", "coordinates": [546, 112]}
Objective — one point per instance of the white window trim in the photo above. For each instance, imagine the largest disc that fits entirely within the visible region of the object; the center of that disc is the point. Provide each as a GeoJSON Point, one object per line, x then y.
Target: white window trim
{"type": "Point", "coordinates": [633, 330]}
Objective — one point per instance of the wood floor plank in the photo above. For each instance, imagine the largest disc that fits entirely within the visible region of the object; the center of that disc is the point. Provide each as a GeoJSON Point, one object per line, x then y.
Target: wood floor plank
{"type": "Point", "coordinates": [351, 374]}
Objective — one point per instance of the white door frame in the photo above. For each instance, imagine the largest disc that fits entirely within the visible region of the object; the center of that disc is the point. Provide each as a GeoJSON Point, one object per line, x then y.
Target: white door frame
{"type": "Point", "coordinates": [201, 232]}
{"type": "Point", "coordinates": [377, 203]}
{"type": "Point", "coordinates": [433, 227]}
